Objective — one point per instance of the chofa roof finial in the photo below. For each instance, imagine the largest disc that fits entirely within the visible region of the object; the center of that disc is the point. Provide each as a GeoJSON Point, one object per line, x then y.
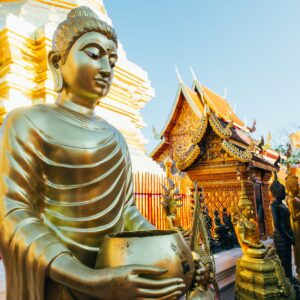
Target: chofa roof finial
{"type": "Point", "coordinates": [178, 74]}
{"type": "Point", "coordinates": [193, 74]}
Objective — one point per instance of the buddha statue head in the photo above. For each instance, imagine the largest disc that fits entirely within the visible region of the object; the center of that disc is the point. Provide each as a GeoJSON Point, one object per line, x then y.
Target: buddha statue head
{"type": "Point", "coordinates": [84, 53]}
{"type": "Point", "coordinates": [217, 218]}
{"type": "Point", "coordinates": [277, 189]}
{"type": "Point", "coordinates": [292, 184]}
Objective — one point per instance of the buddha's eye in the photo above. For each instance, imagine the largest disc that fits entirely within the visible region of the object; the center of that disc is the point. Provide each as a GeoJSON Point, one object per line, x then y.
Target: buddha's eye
{"type": "Point", "coordinates": [93, 52]}
{"type": "Point", "coordinates": [113, 60]}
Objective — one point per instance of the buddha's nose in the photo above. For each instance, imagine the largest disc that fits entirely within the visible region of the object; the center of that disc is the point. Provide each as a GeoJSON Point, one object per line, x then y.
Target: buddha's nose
{"type": "Point", "coordinates": [104, 66]}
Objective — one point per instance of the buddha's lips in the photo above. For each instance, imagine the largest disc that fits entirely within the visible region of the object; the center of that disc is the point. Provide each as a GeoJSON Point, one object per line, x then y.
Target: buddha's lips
{"type": "Point", "coordinates": [101, 82]}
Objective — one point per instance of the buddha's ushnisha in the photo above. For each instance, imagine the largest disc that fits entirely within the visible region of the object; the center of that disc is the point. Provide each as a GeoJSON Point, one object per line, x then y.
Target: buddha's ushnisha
{"type": "Point", "coordinates": [66, 181]}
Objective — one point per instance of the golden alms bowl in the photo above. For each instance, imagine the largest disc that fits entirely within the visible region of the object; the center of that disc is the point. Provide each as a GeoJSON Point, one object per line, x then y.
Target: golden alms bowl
{"type": "Point", "coordinates": [160, 248]}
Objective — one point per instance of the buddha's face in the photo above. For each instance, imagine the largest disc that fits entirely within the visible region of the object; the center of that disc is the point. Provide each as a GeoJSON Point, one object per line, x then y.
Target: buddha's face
{"type": "Point", "coordinates": [88, 69]}
{"type": "Point", "coordinates": [173, 209]}
{"type": "Point", "coordinates": [248, 212]}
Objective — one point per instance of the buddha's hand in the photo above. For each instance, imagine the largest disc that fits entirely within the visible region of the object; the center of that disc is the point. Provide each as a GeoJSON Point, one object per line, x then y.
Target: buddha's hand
{"type": "Point", "coordinates": [202, 273]}
{"type": "Point", "coordinates": [128, 283]}
{"type": "Point", "coordinates": [124, 283]}
{"type": "Point", "coordinates": [258, 245]}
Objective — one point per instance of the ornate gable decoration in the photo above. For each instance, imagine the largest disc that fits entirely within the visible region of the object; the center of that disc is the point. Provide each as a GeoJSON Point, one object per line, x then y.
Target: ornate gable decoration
{"type": "Point", "coordinates": [224, 132]}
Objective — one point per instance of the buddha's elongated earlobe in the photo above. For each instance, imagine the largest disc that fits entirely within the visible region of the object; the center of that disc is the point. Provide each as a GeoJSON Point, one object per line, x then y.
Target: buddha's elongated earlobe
{"type": "Point", "coordinates": [54, 61]}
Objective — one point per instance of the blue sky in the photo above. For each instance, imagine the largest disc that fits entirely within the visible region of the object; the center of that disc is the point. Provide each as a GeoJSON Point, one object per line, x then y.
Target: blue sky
{"type": "Point", "coordinates": [251, 47]}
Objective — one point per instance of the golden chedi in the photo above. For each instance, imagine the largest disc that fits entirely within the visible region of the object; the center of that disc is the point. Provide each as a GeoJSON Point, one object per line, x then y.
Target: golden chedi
{"type": "Point", "coordinates": [66, 181]}
{"type": "Point", "coordinates": [259, 274]}
{"type": "Point", "coordinates": [293, 202]}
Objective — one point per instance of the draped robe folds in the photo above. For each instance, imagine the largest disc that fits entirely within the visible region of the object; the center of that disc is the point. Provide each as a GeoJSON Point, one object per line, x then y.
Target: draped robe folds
{"type": "Point", "coordinates": [66, 182]}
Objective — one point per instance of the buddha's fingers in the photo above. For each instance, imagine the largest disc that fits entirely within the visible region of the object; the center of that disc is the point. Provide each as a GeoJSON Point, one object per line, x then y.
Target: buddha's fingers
{"type": "Point", "coordinates": [141, 269]}
{"type": "Point", "coordinates": [155, 283]}
{"type": "Point", "coordinates": [200, 271]}
{"type": "Point", "coordinates": [160, 293]}
{"type": "Point", "coordinates": [196, 257]}
{"type": "Point", "coordinates": [199, 279]}
{"type": "Point", "coordinates": [173, 296]}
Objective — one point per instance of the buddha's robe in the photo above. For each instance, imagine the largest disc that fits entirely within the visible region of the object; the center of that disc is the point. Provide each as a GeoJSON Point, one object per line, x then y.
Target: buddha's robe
{"type": "Point", "coordinates": [66, 182]}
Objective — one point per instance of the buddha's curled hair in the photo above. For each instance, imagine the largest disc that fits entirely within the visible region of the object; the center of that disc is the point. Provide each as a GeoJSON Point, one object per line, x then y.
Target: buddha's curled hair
{"type": "Point", "coordinates": [79, 21]}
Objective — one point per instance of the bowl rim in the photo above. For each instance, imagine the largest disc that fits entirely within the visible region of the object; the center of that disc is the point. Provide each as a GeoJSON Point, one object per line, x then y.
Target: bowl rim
{"type": "Point", "coordinates": [141, 233]}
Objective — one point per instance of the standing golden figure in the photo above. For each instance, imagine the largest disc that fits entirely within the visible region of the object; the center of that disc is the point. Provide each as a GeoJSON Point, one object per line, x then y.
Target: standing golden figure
{"type": "Point", "coordinates": [66, 181]}
{"type": "Point", "coordinates": [293, 202]}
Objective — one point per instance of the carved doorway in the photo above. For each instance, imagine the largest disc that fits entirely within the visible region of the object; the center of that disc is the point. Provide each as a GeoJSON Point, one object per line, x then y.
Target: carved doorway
{"type": "Point", "coordinates": [259, 209]}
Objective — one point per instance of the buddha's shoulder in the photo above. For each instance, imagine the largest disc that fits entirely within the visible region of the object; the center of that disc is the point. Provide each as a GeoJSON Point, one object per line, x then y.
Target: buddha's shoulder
{"type": "Point", "coordinates": [25, 114]}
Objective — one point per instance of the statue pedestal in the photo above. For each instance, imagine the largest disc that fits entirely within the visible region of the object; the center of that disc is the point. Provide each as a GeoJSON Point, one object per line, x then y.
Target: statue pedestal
{"type": "Point", "coordinates": [258, 278]}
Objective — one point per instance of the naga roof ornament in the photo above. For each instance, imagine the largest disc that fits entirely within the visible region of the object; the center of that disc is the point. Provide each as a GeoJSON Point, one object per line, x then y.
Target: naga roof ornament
{"type": "Point", "coordinates": [190, 156]}
{"type": "Point", "coordinates": [197, 138]}
{"type": "Point", "coordinates": [236, 152]}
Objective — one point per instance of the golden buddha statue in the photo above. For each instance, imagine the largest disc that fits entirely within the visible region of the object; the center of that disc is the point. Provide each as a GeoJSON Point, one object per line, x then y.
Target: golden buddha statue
{"type": "Point", "coordinates": [293, 202]}
{"type": "Point", "coordinates": [259, 274]}
{"type": "Point", "coordinates": [247, 229]}
{"type": "Point", "coordinates": [66, 181]}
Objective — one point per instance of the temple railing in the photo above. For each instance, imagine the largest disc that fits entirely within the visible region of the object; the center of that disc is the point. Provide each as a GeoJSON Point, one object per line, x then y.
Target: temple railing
{"type": "Point", "coordinates": [148, 196]}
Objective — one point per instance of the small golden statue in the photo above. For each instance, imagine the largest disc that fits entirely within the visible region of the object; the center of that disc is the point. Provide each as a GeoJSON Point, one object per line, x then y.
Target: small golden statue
{"type": "Point", "coordinates": [66, 182]}
{"type": "Point", "coordinates": [293, 202]}
{"type": "Point", "coordinates": [170, 200]}
{"type": "Point", "coordinates": [247, 229]}
{"type": "Point", "coordinates": [259, 274]}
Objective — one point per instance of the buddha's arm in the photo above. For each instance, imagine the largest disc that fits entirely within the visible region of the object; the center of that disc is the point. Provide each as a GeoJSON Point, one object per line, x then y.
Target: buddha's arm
{"type": "Point", "coordinates": [135, 221]}
{"type": "Point", "coordinates": [27, 245]}
{"type": "Point", "coordinates": [243, 239]}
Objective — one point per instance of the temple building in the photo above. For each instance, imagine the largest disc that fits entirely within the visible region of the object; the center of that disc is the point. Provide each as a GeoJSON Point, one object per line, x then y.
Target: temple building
{"type": "Point", "coordinates": [209, 142]}
{"type": "Point", "coordinates": [26, 30]}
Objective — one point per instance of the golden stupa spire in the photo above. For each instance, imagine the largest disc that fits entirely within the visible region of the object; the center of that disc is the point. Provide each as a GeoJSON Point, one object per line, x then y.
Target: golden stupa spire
{"type": "Point", "coordinates": [244, 200]}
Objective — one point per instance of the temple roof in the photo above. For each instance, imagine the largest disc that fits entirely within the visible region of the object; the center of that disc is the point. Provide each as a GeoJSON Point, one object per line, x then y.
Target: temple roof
{"type": "Point", "coordinates": [195, 99]}
{"type": "Point", "coordinates": [206, 109]}
{"type": "Point", "coordinates": [218, 104]}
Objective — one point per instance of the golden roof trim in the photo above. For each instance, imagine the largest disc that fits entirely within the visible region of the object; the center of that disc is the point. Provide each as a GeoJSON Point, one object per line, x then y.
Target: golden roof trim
{"type": "Point", "coordinates": [235, 152]}
{"type": "Point", "coordinates": [161, 143]}
{"type": "Point", "coordinates": [222, 132]}
{"type": "Point", "coordinates": [192, 154]}
{"type": "Point", "coordinates": [197, 138]}
{"type": "Point", "coordinates": [197, 86]}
